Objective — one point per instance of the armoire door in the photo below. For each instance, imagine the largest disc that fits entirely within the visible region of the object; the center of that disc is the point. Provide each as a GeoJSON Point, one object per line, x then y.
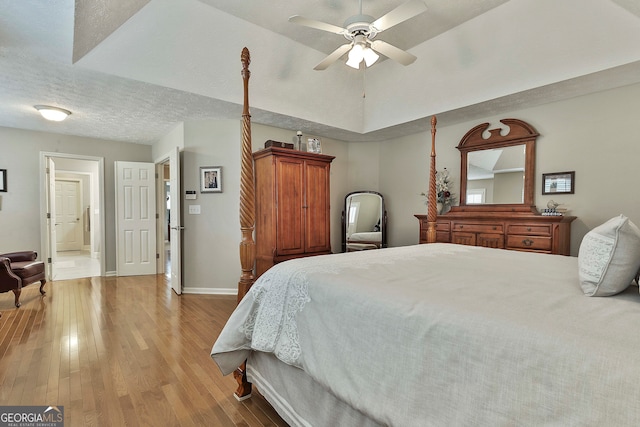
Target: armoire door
{"type": "Point", "coordinates": [290, 212]}
{"type": "Point", "coordinates": [317, 207]}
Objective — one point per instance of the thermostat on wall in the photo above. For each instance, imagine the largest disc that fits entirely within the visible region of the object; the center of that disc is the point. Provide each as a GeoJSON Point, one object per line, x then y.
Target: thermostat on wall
{"type": "Point", "coordinates": [190, 195]}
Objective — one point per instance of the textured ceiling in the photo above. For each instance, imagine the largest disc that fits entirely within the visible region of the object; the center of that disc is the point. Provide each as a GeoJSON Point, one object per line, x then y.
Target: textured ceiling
{"type": "Point", "coordinates": [40, 63]}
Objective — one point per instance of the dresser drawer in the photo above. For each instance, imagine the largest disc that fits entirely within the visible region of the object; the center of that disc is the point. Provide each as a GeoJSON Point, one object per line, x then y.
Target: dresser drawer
{"type": "Point", "coordinates": [443, 226]}
{"type": "Point", "coordinates": [529, 230]}
{"type": "Point", "coordinates": [459, 238]}
{"type": "Point", "coordinates": [533, 243]}
{"type": "Point", "coordinates": [490, 240]}
{"type": "Point", "coordinates": [477, 227]}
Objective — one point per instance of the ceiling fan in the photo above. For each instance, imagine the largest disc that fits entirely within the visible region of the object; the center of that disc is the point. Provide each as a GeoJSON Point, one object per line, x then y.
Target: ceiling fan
{"type": "Point", "coordinates": [361, 30]}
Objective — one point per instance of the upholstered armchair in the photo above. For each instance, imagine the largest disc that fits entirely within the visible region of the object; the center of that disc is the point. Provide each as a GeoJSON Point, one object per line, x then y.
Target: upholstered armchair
{"type": "Point", "coordinates": [19, 269]}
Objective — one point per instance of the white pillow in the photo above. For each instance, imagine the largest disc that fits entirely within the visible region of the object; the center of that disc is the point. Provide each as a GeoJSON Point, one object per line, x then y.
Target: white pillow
{"type": "Point", "coordinates": [609, 257]}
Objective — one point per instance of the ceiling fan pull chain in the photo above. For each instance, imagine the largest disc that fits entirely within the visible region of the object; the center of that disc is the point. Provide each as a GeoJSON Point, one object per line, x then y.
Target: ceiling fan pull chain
{"type": "Point", "coordinates": [364, 81]}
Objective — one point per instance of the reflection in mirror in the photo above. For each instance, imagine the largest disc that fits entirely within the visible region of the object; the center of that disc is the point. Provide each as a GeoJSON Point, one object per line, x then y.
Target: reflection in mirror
{"type": "Point", "coordinates": [364, 221]}
{"type": "Point", "coordinates": [496, 176]}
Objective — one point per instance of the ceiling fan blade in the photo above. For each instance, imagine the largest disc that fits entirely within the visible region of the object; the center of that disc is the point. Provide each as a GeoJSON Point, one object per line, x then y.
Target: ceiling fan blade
{"type": "Point", "coordinates": [300, 20]}
{"type": "Point", "coordinates": [333, 57]}
{"type": "Point", "coordinates": [399, 14]}
{"type": "Point", "coordinates": [390, 51]}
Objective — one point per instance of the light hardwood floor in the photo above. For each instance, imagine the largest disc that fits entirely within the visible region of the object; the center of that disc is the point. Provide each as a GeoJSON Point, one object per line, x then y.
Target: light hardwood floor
{"type": "Point", "coordinates": [121, 351]}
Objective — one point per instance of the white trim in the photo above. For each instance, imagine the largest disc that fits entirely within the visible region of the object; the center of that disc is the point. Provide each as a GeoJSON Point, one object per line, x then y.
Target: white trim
{"type": "Point", "coordinates": [210, 291]}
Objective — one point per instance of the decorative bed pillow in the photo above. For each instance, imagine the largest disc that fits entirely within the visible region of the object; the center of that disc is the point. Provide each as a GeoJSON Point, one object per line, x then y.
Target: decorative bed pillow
{"type": "Point", "coordinates": [609, 257]}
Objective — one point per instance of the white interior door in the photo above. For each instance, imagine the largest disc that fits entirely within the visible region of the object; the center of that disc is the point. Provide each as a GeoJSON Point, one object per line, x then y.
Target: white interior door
{"type": "Point", "coordinates": [176, 221]}
{"type": "Point", "coordinates": [68, 223]}
{"type": "Point", "coordinates": [135, 218]}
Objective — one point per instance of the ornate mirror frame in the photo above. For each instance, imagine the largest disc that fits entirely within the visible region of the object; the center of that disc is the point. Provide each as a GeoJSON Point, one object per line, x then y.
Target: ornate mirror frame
{"type": "Point", "coordinates": [520, 133]}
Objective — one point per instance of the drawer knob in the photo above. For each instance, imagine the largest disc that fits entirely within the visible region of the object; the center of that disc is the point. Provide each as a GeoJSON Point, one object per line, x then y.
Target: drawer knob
{"type": "Point", "coordinates": [527, 242]}
{"type": "Point", "coordinates": [495, 228]}
{"type": "Point", "coordinates": [528, 228]}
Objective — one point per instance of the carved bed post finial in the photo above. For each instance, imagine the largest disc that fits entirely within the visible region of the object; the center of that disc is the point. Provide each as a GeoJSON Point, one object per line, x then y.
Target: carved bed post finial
{"type": "Point", "coordinates": [432, 212]}
{"type": "Point", "coordinates": [247, 216]}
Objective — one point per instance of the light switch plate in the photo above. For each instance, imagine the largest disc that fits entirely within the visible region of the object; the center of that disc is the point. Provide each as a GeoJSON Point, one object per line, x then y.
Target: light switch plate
{"type": "Point", "coordinates": [194, 209]}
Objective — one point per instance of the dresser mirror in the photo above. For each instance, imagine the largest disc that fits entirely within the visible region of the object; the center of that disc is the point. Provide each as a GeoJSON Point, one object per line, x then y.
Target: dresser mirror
{"type": "Point", "coordinates": [364, 221]}
{"type": "Point", "coordinates": [498, 169]}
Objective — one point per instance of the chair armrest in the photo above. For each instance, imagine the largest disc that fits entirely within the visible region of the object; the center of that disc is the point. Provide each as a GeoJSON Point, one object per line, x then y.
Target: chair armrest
{"type": "Point", "coordinates": [5, 263]}
{"type": "Point", "coordinates": [21, 256]}
{"type": "Point", "coordinates": [8, 280]}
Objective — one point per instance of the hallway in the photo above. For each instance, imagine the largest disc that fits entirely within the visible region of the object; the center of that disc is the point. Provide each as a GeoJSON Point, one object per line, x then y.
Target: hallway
{"type": "Point", "coordinates": [75, 265]}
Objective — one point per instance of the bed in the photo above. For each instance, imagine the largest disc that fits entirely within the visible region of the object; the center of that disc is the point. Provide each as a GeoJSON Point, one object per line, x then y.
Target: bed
{"type": "Point", "coordinates": [431, 335]}
{"type": "Point", "coordinates": [401, 342]}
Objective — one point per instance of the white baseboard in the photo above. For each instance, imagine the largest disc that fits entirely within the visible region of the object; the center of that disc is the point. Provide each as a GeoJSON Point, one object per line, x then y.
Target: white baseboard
{"type": "Point", "coordinates": [109, 274]}
{"type": "Point", "coordinates": [210, 291]}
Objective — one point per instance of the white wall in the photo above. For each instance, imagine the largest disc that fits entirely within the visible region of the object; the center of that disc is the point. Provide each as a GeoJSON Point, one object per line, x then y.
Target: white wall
{"type": "Point", "coordinates": [20, 205]}
{"type": "Point", "coordinates": [166, 144]}
{"type": "Point", "coordinates": [593, 135]}
{"type": "Point", "coordinates": [211, 261]}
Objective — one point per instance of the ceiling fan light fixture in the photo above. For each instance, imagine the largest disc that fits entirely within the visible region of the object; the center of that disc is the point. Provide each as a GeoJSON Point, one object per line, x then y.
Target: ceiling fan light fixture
{"type": "Point", "coordinates": [370, 57]}
{"type": "Point", "coordinates": [52, 113]}
{"type": "Point", "coordinates": [356, 55]}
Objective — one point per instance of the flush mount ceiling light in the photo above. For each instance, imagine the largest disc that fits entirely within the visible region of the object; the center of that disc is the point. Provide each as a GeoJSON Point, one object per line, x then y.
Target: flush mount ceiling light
{"type": "Point", "coordinates": [52, 113]}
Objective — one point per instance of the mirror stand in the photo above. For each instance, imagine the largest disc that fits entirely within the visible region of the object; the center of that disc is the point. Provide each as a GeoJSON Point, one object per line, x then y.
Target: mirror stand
{"type": "Point", "coordinates": [364, 221]}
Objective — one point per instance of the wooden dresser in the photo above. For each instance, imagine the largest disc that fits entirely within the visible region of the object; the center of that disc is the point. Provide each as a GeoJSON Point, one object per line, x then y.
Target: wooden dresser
{"type": "Point", "coordinates": [292, 205]}
{"type": "Point", "coordinates": [520, 231]}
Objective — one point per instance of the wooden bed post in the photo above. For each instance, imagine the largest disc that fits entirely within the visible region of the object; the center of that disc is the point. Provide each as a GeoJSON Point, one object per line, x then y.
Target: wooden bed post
{"type": "Point", "coordinates": [247, 217]}
{"type": "Point", "coordinates": [432, 212]}
{"type": "Point", "coordinates": [247, 190]}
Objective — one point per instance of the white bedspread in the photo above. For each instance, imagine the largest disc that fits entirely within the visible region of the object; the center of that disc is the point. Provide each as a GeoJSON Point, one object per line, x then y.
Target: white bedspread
{"type": "Point", "coordinates": [443, 334]}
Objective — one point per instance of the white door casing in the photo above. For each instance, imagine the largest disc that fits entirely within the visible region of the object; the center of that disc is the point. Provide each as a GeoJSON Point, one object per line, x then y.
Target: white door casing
{"type": "Point", "coordinates": [47, 198]}
{"type": "Point", "coordinates": [50, 189]}
{"type": "Point", "coordinates": [135, 218]}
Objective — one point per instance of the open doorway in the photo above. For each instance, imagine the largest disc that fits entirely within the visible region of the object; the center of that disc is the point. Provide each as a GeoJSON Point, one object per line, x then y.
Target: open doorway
{"type": "Point", "coordinates": [73, 255]}
{"type": "Point", "coordinates": [73, 224]}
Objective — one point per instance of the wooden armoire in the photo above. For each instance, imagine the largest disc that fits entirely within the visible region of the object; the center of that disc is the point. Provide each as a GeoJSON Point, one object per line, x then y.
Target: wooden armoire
{"type": "Point", "coordinates": [292, 205]}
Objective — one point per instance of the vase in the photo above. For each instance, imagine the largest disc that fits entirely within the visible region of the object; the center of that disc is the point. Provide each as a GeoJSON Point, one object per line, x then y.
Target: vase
{"type": "Point", "coordinates": [439, 207]}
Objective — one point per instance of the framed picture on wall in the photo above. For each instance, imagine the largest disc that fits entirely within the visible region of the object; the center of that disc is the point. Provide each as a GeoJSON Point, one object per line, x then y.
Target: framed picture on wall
{"type": "Point", "coordinates": [211, 179]}
{"type": "Point", "coordinates": [3, 180]}
{"type": "Point", "coordinates": [558, 182]}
